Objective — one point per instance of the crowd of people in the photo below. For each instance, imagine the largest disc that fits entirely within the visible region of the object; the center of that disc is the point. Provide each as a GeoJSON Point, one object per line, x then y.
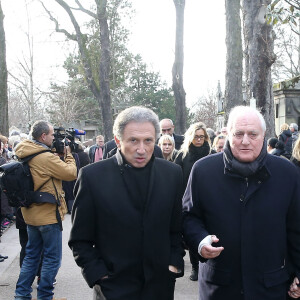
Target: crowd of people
{"type": "Point", "coordinates": [204, 171]}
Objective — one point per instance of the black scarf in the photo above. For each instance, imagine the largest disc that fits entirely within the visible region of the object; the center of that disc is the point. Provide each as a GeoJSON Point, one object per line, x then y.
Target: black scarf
{"type": "Point", "coordinates": [137, 181]}
{"type": "Point", "coordinates": [198, 152]}
{"type": "Point", "coordinates": [243, 168]}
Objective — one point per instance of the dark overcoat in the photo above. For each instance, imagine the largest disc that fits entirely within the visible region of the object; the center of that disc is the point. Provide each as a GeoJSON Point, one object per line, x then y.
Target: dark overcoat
{"type": "Point", "coordinates": [257, 220]}
{"type": "Point", "coordinates": [178, 139]}
{"type": "Point", "coordinates": [113, 235]}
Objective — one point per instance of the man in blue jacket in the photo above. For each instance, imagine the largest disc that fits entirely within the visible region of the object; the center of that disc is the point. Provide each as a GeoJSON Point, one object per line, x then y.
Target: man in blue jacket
{"type": "Point", "coordinates": [242, 215]}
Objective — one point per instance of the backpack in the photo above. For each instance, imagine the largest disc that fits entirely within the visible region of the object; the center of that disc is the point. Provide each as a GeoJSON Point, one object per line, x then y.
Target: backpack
{"type": "Point", "coordinates": [17, 184]}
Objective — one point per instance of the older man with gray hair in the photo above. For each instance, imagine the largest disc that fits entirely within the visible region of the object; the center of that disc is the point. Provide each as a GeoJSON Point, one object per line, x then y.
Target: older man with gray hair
{"type": "Point", "coordinates": [244, 225]}
{"type": "Point", "coordinates": [126, 233]}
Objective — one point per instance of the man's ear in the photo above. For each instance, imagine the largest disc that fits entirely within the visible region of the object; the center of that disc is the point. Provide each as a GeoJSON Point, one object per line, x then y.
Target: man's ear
{"type": "Point", "coordinates": [43, 136]}
{"type": "Point", "coordinates": [117, 142]}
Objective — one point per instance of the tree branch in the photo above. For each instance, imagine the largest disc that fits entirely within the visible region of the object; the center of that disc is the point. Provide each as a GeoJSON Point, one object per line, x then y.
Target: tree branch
{"type": "Point", "coordinates": [80, 7]}
{"type": "Point", "coordinates": [57, 28]}
{"type": "Point", "coordinates": [296, 5]}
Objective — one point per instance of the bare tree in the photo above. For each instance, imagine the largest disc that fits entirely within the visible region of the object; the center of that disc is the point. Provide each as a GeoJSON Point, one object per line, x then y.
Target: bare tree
{"type": "Point", "coordinates": [259, 47]}
{"type": "Point", "coordinates": [205, 110]}
{"type": "Point", "coordinates": [287, 51]}
{"type": "Point", "coordinates": [234, 58]}
{"type": "Point", "coordinates": [23, 83]}
{"type": "Point", "coordinates": [3, 79]}
{"type": "Point", "coordinates": [285, 17]}
{"type": "Point", "coordinates": [177, 71]}
{"type": "Point", "coordinates": [17, 110]}
{"type": "Point", "coordinates": [66, 104]}
{"type": "Point", "coordinates": [99, 87]}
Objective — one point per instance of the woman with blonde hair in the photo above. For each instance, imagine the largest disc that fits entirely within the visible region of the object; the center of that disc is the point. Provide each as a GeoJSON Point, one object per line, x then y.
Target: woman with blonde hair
{"type": "Point", "coordinates": [295, 159]}
{"type": "Point", "coordinates": [285, 137]}
{"type": "Point", "coordinates": [196, 145]}
{"type": "Point", "coordinates": [167, 146]}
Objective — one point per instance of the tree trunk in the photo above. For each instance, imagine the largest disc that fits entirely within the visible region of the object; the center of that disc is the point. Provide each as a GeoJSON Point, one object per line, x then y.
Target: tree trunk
{"type": "Point", "coordinates": [259, 44]}
{"type": "Point", "coordinates": [3, 79]}
{"type": "Point", "coordinates": [101, 91]}
{"type": "Point", "coordinates": [104, 69]}
{"type": "Point", "coordinates": [177, 70]}
{"type": "Point", "coordinates": [234, 58]}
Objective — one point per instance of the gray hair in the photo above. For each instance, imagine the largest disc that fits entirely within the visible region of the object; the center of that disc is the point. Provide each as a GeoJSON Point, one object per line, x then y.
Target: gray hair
{"type": "Point", "coordinates": [38, 128]}
{"type": "Point", "coordinates": [242, 110]}
{"type": "Point", "coordinates": [295, 126]}
{"type": "Point", "coordinates": [138, 114]}
{"type": "Point", "coordinates": [210, 132]}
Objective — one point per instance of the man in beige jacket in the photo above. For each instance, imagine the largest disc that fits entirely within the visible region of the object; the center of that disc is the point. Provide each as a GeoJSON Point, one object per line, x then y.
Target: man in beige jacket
{"type": "Point", "coordinates": [44, 219]}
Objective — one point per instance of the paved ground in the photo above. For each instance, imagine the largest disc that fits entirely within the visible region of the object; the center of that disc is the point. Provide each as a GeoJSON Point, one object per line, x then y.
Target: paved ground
{"type": "Point", "coordinates": [70, 283]}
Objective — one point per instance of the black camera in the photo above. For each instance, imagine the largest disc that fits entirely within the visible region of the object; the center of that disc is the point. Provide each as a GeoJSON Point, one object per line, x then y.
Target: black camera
{"type": "Point", "coordinates": [63, 138]}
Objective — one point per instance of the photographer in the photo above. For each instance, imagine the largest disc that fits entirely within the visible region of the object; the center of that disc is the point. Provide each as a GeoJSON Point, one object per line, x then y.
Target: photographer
{"type": "Point", "coordinates": [44, 219]}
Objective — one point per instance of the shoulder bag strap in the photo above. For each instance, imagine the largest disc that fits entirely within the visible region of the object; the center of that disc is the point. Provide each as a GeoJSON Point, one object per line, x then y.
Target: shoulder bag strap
{"type": "Point", "coordinates": [57, 205]}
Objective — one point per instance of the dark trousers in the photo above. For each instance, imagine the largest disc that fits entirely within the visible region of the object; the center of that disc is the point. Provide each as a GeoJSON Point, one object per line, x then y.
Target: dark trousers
{"type": "Point", "coordinates": [23, 239]}
{"type": "Point", "coordinates": [194, 259]}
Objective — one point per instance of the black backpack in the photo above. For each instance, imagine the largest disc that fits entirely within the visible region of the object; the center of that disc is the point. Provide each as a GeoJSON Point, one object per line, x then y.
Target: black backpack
{"type": "Point", "coordinates": [17, 184]}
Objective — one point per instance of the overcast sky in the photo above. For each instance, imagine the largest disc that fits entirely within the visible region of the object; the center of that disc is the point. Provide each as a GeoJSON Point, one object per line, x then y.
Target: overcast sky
{"type": "Point", "coordinates": [153, 36]}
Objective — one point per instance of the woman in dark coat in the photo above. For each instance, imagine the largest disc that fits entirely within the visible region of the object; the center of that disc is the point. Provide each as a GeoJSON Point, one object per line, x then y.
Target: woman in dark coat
{"type": "Point", "coordinates": [285, 137]}
{"type": "Point", "coordinates": [196, 145]}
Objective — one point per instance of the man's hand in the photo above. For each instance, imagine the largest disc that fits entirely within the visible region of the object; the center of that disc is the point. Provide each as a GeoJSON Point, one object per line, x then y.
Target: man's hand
{"type": "Point", "coordinates": [294, 291]}
{"type": "Point", "coordinates": [67, 150]}
{"type": "Point", "coordinates": [208, 251]}
{"type": "Point", "coordinates": [173, 269]}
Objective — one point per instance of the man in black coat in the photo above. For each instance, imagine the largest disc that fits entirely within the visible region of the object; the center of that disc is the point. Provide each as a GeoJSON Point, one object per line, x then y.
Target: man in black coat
{"type": "Point", "coordinates": [242, 215]}
{"type": "Point", "coordinates": [167, 127]}
{"type": "Point", "coordinates": [126, 233]}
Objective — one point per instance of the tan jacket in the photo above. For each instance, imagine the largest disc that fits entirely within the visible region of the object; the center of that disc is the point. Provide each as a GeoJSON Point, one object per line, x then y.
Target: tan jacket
{"type": "Point", "coordinates": [43, 167]}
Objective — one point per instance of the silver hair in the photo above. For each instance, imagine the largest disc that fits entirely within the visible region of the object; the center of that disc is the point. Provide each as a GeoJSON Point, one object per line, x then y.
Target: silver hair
{"type": "Point", "coordinates": [135, 114]}
{"type": "Point", "coordinates": [294, 125]}
{"type": "Point", "coordinates": [242, 110]}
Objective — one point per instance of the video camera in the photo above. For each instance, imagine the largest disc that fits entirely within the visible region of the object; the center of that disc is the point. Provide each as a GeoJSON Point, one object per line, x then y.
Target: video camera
{"type": "Point", "coordinates": [66, 137]}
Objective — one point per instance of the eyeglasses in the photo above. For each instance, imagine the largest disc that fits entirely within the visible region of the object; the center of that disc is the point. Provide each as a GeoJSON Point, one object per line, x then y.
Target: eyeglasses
{"type": "Point", "coordinates": [199, 137]}
{"type": "Point", "coordinates": [240, 135]}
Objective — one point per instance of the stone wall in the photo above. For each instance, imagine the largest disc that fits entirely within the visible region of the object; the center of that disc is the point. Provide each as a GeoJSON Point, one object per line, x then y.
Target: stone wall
{"type": "Point", "coordinates": [287, 102]}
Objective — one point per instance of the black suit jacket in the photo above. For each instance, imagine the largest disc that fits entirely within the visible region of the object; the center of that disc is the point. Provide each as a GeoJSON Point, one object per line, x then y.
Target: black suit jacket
{"type": "Point", "coordinates": [178, 140]}
{"type": "Point", "coordinates": [112, 235]}
{"type": "Point", "coordinates": [108, 146]}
